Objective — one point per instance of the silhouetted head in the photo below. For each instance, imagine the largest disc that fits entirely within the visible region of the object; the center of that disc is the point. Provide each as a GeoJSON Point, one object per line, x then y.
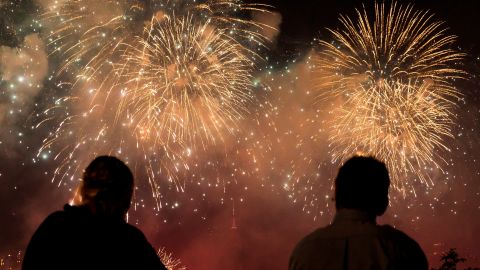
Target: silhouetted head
{"type": "Point", "coordinates": [107, 186]}
{"type": "Point", "coordinates": [362, 183]}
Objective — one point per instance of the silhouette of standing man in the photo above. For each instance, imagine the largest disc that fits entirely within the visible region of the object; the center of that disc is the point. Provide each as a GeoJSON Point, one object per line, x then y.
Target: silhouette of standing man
{"type": "Point", "coordinates": [94, 235]}
{"type": "Point", "coordinates": [354, 241]}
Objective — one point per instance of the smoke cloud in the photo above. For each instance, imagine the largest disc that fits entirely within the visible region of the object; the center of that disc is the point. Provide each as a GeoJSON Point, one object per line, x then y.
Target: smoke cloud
{"type": "Point", "coordinates": [23, 69]}
{"type": "Point", "coordinates": [270, 22]}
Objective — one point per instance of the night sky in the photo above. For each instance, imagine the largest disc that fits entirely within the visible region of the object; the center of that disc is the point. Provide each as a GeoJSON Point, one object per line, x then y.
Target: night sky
{"type": "Point", "coordinates": [246, 201]}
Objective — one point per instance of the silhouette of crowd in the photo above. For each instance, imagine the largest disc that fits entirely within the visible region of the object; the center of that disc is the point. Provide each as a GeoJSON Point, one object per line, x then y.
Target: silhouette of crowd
{"type": "Point", "coordinates": [93, 233]}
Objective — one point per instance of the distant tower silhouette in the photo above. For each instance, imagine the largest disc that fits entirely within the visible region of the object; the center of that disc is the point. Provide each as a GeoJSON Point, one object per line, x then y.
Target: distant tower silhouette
{"type": "Point", "coordinates": [234, 224]}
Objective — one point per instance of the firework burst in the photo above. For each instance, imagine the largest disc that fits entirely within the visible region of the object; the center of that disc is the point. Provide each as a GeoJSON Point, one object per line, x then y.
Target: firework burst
{"type": "Point", "coordinates": [184, 81]}
{"type": "Point", "coordinates": [147, 81]}
{"type": "Point", "coordinates": [169, 261]}
{"type": "Point", "coordinates": [394, 80]}
{"type": "Point", "coordinates": [87, 34]}
{"type": "Point", "coordinates": [402, 124]}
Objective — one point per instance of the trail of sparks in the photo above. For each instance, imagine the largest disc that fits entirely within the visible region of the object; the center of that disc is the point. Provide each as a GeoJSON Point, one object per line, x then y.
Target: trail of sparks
{"type": "Point", "coordinates": [147, 81]}
{"type": "Point", "coordinates": [184, 81]}
{"type": "Point", "coordinates": [394, 81]}
{"type": "Point", "coordinates": [169, 261]}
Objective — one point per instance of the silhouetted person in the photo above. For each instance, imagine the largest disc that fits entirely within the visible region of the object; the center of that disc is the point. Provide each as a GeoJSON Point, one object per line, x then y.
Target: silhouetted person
{"type": "Point", "coordinates": [354, 240]}
{"type": "Point", "coordinates": [94, 234]}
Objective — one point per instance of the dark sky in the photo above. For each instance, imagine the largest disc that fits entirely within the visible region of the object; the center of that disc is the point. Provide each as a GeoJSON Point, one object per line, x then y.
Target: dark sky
{"type": "Point", "coordinates": [302, 20]}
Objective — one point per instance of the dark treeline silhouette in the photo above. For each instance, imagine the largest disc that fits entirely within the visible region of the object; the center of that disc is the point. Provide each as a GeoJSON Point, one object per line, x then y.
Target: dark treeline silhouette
{"type": "Point", "coordinates": [450, 259]}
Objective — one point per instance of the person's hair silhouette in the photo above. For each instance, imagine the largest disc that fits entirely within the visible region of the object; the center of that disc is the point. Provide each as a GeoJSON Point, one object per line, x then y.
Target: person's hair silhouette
{"type": "Point", "coordinates": [94, 234]}
{"type": "Point", "coordinates": [362, 183]}
{"type": "Point", "coordinates": [354, 240]}
{"type": "Point", "coordinates": [107, 186]}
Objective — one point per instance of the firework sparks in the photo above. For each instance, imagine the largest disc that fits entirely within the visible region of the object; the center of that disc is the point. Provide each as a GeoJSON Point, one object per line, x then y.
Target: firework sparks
{"type": "Point", "coordinates": [184, 81]}
{"type": "Point", "coordinates": [394, 81]}
{"type": "Point", "coordinates": [12, 260]}
{"type": "Point", "coordinates": [147, 81]}
{"type": "Point", "coordinates": [86, 34]}
{"type": "Point", "coordinates": [169, 261]}
{"type": "Point", "coordinates": [402, 124]}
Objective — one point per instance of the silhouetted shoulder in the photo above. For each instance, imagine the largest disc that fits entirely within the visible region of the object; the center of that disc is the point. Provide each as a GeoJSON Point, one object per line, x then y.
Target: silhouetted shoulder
{"type": "Point", "coordinates": [145, 254]}
{"type": "Point", "coordinates": [50, 227]}
{"type": "Point", "coordinates": [407, 252]}
{"type": "Point", "coordinates": [44, 241]}
{"type": "Point", "coordinates": [305, 254]}
{"type": "Point", "coordinates": [93, 243]}
{"type": "Point", "coordinates": [55, 219]}
{"type": "Point", "coordinates": [311, 240]}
